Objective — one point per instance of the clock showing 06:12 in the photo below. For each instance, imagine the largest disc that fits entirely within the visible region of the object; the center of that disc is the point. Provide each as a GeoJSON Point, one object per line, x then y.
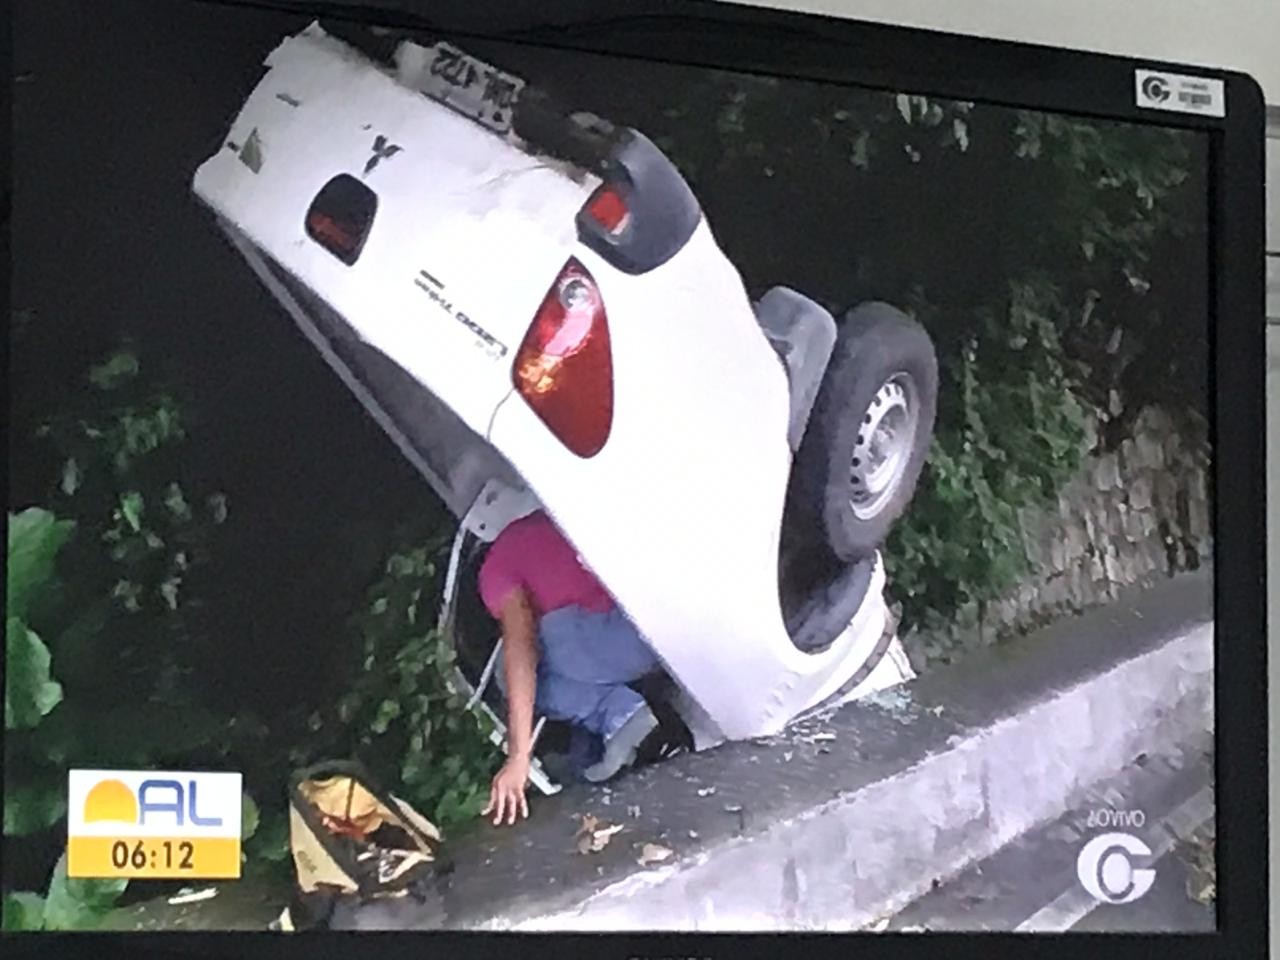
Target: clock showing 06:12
{"type": "Point", "coordinates": [155, 854]}
{"type": "Point", "coordinates": [128, 823]}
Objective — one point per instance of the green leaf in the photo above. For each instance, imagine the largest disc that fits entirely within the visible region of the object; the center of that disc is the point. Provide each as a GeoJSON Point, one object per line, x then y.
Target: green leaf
{"type": "Point", "coordinates": [131, 506]}
{"type": "Point", "coordinates": [904, 106]}
{"type": "Point", "coordinates": [218, 507]}
{"type": "Point", "coordinates": [128, 592]}
{"type": "Point", "coordinates": [169, 592]}
{"type": "Point", "coordinates": [23, 911]}
{"type": "Point", "coordinates": [35, 537]}
{"type": "Point", "coordinates": [70, 477]}
{"type": "Point", "coordinates": [74, 904]}
{"type": "Point", "coordinates": [271, 840]}
{"type": "Point", "coordinates": [30, 693]}
{"type": "Point", "coordinates": [116, 370]}
{"type": "Point", "coordinates": [860, 156]}
{"type": "Point", "coordinates": [388, 711]}
{"type": "Point", "coordinates": [32, 807]}
{"type": "Point", "coordinates": [250, 817]}
{"type": "Point", "coordinates": [347, 707]}
{"type": "Point", "coordinates": [176, 502]}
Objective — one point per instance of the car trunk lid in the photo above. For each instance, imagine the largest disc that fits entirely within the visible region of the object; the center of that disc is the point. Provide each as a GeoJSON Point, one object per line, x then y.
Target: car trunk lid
{"type": "Point", "coordinates": [467, 233]}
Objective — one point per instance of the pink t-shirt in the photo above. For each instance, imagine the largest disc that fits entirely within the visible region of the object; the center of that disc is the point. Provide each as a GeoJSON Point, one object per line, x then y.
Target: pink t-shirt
{"type": "Point", "coordinates": [532, 553]}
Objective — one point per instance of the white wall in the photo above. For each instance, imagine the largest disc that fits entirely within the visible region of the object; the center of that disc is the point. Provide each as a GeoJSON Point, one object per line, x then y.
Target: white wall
{"type": "Point", "coordinates": [1235, 34]}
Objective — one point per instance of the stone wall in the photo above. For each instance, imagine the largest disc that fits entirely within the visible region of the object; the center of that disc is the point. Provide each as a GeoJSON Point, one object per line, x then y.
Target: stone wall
{"type": "Point", "coordinates": [1129, 518]}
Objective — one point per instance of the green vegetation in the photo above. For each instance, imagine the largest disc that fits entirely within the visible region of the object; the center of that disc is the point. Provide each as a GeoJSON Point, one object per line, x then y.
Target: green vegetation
{"type": "Point", "coordinates": [403, 715]}
{"type": "Point", "coordinates": [1053, 261]}
{"type": "Point", "coordinates": [115, 657]}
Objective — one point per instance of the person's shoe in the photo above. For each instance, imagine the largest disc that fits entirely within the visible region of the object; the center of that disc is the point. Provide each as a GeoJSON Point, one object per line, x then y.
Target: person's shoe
{"type": "Point", "coordinates": [620, 749]}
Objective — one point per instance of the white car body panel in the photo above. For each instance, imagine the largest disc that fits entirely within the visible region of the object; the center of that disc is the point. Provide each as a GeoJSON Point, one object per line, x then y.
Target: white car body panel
{"type": "Point", "coordinates": [491, 198]}
{"type": "Point", "coordinates": [680, 513]}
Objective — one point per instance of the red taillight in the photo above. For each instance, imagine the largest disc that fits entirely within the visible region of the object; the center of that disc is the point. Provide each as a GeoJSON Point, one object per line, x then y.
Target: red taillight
{"type": "Point", "coordinates": [340, 217]}
{"type": "Point", "coordinates": [564, 368]}
{"type": "Point", "coordinates": [608, 207]}
{"type": "Point", "coordinates": [332, 234]}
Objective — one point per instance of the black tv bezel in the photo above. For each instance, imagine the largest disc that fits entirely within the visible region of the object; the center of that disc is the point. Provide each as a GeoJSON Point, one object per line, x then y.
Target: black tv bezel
{"type": "Point", "coordinates": [726, 35]}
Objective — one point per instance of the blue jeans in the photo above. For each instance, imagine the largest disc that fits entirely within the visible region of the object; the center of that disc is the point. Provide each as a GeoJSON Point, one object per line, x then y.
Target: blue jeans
{"type": "Point", "coordinates": [585, 662]}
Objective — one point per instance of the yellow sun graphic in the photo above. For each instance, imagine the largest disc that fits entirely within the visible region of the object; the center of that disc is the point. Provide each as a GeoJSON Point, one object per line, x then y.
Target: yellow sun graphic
{"type": "Point", "coordinates": [110, 800]}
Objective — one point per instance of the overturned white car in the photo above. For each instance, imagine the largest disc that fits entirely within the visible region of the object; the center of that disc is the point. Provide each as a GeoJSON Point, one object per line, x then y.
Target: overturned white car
{"type": "Point", "coordinates": [531, 304]}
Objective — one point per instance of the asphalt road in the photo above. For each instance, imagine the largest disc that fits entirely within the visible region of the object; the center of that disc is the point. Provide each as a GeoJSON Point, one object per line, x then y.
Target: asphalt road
{"type": "Point", "coordinates": [1033, 885]}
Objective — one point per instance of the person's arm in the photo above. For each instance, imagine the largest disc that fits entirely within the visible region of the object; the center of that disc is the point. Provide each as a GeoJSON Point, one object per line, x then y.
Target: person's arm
{"type": "Point", "coordinates": [520, 661]}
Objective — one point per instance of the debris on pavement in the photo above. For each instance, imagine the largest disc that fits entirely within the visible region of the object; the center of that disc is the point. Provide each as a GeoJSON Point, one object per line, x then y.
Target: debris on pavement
{"type": "Point", "coordinates": [654, 853]}
{"type": "Point", "coordinates": [693, 834]}
{"type": "Point", "coordinates": [706, 791]}
{"type": "Point", "coordinates": [633, 812]}
{"type": "Point", "coordinates": [787, 756]}
{"type": "Point", "coordinates": [594, 837]}
{"type": "Point", "coordinates": [187, 895]}
{"type": "Point", "coordinates": [1199, 855]}
{"type": "Point", "coordinates": [733, 808]}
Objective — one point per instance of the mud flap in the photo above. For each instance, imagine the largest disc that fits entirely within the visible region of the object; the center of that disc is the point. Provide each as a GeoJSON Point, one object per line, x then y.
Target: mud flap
{"type": "Point", "coordinates": [886, 666]}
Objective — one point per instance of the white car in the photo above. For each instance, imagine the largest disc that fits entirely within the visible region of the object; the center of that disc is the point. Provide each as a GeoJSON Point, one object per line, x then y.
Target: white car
{"type": "Point", "coordinates": [532, 305]}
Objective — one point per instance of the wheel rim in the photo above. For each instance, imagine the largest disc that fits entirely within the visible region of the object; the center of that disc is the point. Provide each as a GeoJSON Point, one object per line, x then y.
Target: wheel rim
{"type": "Point", "coordinates": [885, 440]}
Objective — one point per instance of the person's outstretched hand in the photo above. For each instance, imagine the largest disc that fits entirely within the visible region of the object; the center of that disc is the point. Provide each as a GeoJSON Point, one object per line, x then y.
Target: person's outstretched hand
{"type": "Point", "coordinates": [507, 798]}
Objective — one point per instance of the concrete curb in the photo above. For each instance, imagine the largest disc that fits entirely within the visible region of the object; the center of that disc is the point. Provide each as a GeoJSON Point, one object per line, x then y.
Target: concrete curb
{"type": "Point", "coordinates": [866, 854]}
{"type": "Point", "coordinates": [851, 818]}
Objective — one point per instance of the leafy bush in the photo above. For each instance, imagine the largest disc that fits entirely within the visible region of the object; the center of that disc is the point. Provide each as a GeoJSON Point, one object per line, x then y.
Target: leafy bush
{"type": "Point", "coordinates": [121, 607]}
{"type": "Point", "coordinates": [1001, 444]}
{"type": "Point", "coordinates": [404, 715]}
{"type": "Point", "coordinates": [118, 605]}
{"type": "Point", "coordinates": [31, 694]}
{"type": "Point", "coordinates": [69, 904]}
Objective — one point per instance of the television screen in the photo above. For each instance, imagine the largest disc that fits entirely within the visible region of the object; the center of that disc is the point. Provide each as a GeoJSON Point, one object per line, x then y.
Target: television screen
{"type": "Point", "coordinates": [724, 474]}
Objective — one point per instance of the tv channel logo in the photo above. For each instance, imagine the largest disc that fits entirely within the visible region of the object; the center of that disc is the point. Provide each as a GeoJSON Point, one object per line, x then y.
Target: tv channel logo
{"type": "Point", "coordinates": [1108, 870]}
{"type": "Point", "coordinates": [150, 823]}
{"type": "Point", "coordinates": [1156, 88]}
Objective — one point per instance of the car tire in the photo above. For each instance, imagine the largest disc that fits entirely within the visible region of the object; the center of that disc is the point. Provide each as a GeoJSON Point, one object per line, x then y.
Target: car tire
{"type": "Point", "coordinates": [870, 430]}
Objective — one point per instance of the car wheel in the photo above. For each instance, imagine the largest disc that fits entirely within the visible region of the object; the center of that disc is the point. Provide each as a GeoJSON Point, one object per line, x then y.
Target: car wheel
{"type": "Point", "coordinates": [870, 430]}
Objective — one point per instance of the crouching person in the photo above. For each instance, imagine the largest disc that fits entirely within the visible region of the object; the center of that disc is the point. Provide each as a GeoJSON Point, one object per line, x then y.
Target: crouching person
{"type": "Point", "coordinates": [568, 653]}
